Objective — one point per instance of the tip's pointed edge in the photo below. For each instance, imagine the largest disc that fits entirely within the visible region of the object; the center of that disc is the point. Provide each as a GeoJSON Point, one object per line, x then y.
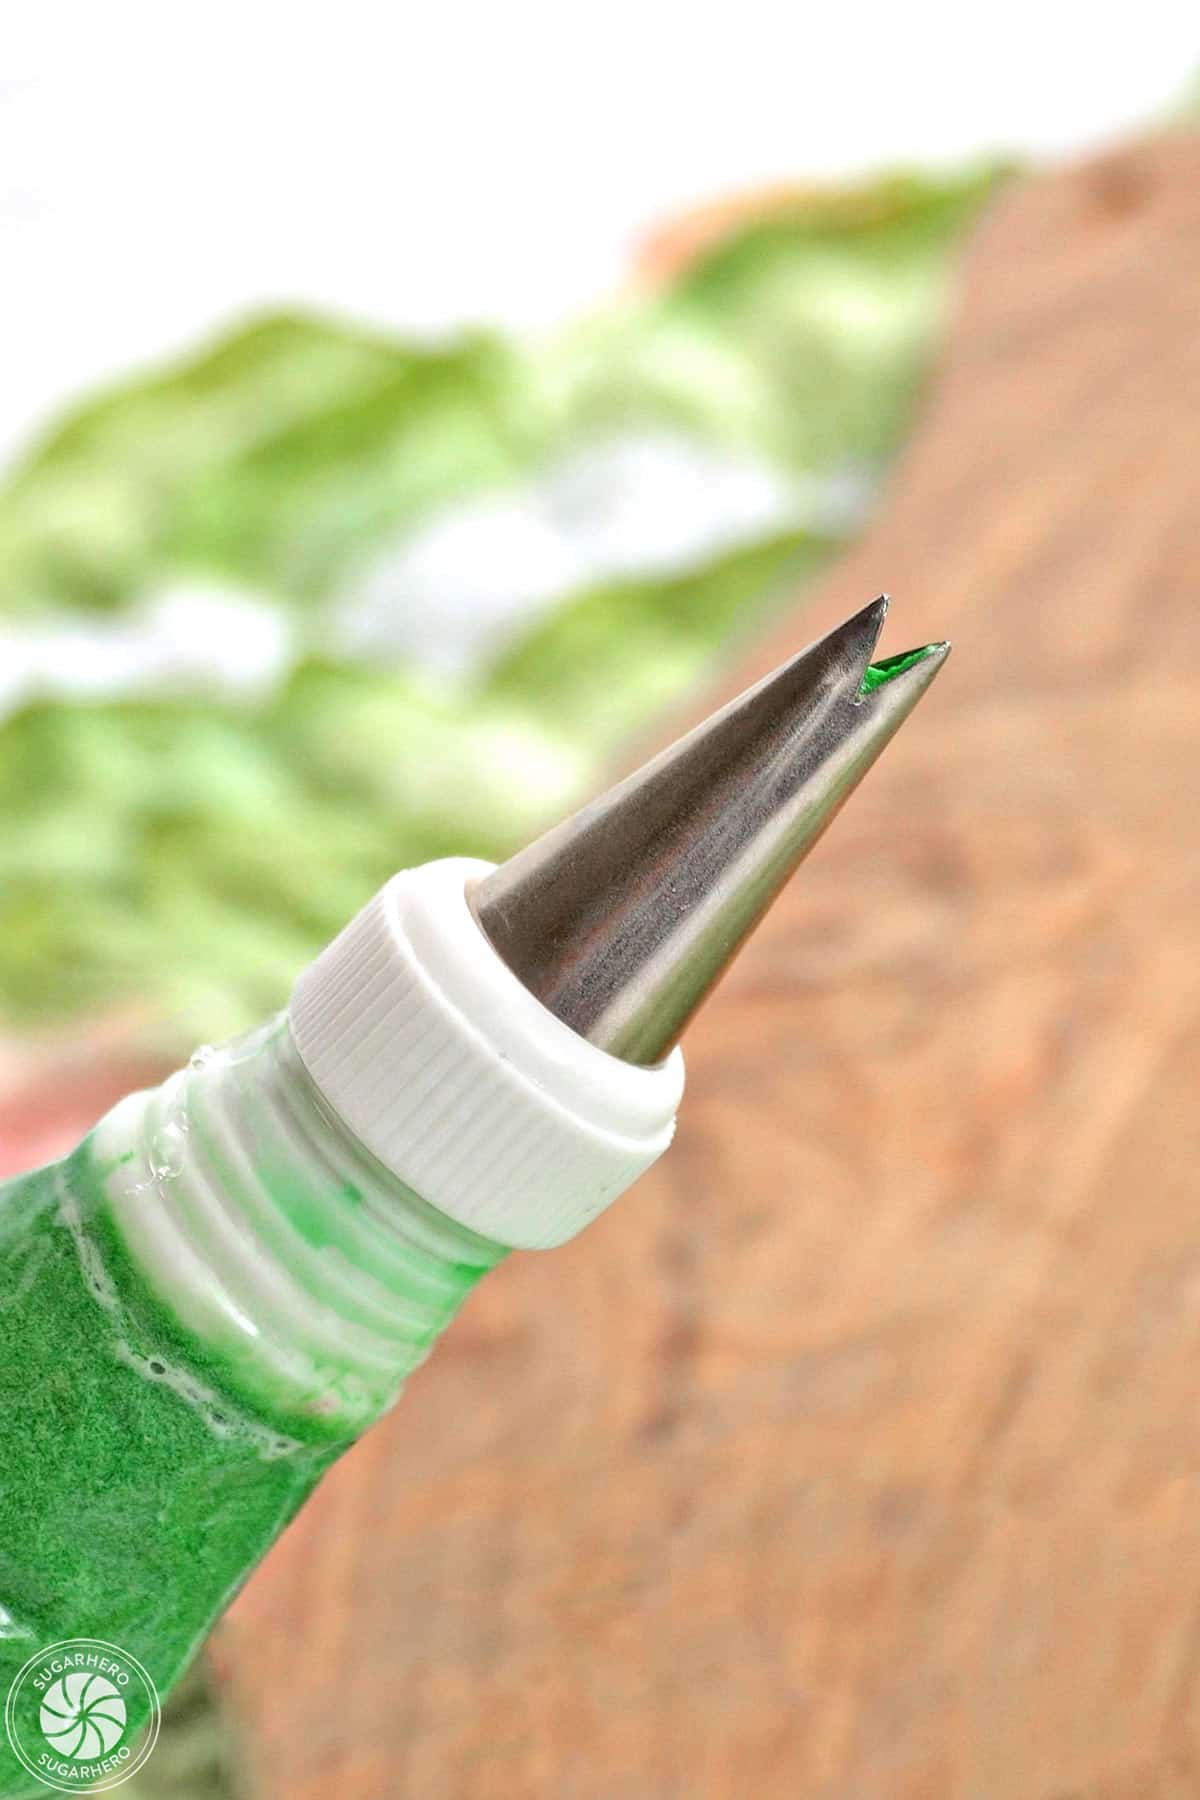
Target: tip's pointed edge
{"type": "Point", "coordinates": [852, 643]}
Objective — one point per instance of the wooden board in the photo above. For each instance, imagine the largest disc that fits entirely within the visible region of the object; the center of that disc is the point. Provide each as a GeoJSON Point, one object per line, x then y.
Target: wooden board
{"type": "Point", "coordinates": [858, 1453]}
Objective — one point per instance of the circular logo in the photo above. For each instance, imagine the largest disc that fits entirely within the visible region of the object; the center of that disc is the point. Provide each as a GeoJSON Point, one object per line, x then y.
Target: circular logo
{"type": "Point", "coordinates": [82, 1712]}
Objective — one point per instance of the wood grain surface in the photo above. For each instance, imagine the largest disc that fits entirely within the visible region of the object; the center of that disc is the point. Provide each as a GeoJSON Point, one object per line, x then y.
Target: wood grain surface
{"type": "Point", "coordinates": [857, 1453]}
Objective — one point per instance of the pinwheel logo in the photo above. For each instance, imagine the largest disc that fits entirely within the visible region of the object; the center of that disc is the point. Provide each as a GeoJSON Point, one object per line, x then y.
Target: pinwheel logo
{"type": "Point", "coordinates": [82, 1712]}
{"type": "Point", "coordinates": [83, 1715]}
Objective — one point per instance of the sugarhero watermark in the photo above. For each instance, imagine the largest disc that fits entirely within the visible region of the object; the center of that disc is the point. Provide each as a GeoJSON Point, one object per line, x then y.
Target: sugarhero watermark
{"type": "Point", "coordinates": [82, 1714]}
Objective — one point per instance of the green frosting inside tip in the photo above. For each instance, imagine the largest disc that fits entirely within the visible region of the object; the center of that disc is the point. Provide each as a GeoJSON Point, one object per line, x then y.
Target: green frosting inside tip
{"type": "Point", "coordinates": [877, 673]}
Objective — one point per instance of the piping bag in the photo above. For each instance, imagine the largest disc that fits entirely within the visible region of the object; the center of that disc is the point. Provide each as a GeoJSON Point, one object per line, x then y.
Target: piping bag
{"type": "Point", "coordinates": [229, 1279]}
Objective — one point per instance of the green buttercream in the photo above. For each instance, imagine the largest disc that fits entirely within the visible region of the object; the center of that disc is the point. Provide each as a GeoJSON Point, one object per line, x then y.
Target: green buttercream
{"type": "Point", "coordinates": [144, 1471]}
{"type": "Point", "coordinates": [122, 1514]}
{"type": "Point", "coordinates": [889, 666]}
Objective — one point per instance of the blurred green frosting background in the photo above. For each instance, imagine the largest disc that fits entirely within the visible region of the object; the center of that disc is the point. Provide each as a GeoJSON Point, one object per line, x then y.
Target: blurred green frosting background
{"type": "Point", "coordinates": [174, 847]}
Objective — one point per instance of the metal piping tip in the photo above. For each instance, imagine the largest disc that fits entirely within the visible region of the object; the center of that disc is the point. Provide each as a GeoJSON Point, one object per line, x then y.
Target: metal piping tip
{"type": "Point", "coordinates": [623, 918]}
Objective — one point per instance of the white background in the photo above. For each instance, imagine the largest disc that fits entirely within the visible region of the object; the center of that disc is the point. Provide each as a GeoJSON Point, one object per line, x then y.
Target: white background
{"type": "Point", "coordinates": [165, 167]}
